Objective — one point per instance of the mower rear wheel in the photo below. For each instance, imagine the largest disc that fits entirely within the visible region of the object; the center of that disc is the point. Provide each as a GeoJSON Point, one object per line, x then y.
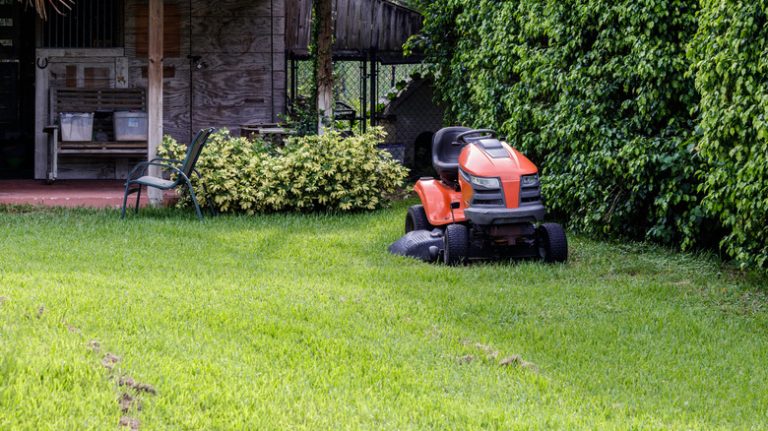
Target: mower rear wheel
{"type": "Point", "coordinates": [416, 219]}
{"type": "Point", "coordinates": [456, 244]}
{"type": "Point", "coordinates": [553, 245]}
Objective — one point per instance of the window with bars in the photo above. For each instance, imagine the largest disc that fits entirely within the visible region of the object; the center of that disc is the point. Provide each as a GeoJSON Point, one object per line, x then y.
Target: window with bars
{"type": "Point", "coordinates": [90, 24]}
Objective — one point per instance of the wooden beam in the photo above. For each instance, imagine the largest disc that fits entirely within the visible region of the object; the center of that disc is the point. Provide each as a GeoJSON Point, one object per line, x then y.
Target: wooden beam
{"type": "Point", "coordinates": [155, 90]}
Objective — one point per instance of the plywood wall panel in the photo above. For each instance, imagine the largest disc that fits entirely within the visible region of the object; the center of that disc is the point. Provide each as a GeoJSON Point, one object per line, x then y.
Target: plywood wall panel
{"type": "Point", "coordinates": [251, 114]}
{"type": "Point", "coordinates": [236, 35]}
{"type": "Point", "coordinates": [232, 8]}
{"type": "Point", "coordinates": [230, 88]}
{"type": "Point", "coordinates": [176, 122]}
{"type": "Point", "coordinates": [253, 61]}
{"type": "Point", "coordinates": [278, 8]}
{"type": "Point", "coordinates": [241, 43]}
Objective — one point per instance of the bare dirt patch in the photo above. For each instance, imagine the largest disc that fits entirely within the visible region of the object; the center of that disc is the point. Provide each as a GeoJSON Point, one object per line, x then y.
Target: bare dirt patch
{"type": "Point", "coordinates": [137, 386]}
{"type": "Point", "coordinates": [128, 402]}
{"type": "Point", "coordinates": [94, 346]}
{"type": "Point", "coordinates": [518, 361]}
{"type": "Point", "coordinates": [491, 355]}
{"type": "Point", "coordinates": [72, 328]}
{"type": "Point", "coordinates": [466, 359]}
{"type": "Point", "coordinates": [489, 351]}
{"type": "Point", "coordinates": [110, 361]}
{"type": "Point", "coordinates": [129, 422]}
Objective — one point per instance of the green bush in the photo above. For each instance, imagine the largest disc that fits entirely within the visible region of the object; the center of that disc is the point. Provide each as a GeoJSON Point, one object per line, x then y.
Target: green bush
{"type": "Point", "coordinates": [730, 54]}
{"type": "Point", "coordinates": [325, 172]}
{"type": "Point", "coordinates": [594, 91]}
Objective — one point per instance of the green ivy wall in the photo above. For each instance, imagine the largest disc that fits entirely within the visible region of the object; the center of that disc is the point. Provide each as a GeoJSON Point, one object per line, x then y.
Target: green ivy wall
{"type": "Point", "coordinates": [646, 117]}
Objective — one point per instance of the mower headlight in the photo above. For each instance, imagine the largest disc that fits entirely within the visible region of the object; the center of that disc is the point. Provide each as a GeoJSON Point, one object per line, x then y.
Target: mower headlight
{"type": "Point", "coordinates": [488, 183]}
{"type": "Point", "coordinates": [529, 180]}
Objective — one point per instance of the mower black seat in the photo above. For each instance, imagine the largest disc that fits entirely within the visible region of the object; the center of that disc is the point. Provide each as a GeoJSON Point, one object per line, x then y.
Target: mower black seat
{"type": "Point", "coordinates": [445, 152]}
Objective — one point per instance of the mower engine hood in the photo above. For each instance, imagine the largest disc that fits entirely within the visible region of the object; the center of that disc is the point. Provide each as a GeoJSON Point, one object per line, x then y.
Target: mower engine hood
{"type": "Point", "coordinates": [493, 158]}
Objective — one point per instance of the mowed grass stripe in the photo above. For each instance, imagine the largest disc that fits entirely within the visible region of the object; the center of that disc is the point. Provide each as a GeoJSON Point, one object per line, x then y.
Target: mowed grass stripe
{"type": "Point", "coordinates": [306, 322]}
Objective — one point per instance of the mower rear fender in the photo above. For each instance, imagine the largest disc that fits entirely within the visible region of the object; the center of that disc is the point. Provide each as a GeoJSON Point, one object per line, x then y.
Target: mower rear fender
{"type": "Point", "coordinates": [436, 199]}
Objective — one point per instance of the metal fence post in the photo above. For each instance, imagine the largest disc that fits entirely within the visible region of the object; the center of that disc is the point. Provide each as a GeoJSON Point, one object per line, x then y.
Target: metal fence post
{"type": "Point", "coordinates": [363, 94]}
{"type": "Point", "coordinates": [374, 79]}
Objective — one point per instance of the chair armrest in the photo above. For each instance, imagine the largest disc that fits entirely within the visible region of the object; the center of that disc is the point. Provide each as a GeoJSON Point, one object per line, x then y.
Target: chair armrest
{"type": "Point", "coordinates": [194, 170]}
{"type": "Point", "coordinates": [160, 159]}
{"type": "Point", "coordinates": [142, 167]}
{"type": "Point", "coordinates": [53, 128]}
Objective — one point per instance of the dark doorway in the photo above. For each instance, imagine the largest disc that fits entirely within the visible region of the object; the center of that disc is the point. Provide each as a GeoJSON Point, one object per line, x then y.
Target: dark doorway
{"type": "Point", "coordinates": [422, 156]}
{"type": "Point", "coordinates": [17, 90]}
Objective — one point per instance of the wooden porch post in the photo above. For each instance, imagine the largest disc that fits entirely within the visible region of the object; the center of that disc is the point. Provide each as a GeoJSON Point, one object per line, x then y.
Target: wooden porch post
{"type": "Point", "coordinates": [155, 90]}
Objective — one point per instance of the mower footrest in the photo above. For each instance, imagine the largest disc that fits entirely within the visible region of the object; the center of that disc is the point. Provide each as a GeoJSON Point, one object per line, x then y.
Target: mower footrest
{"type": "Point", "coordinates": [495, 216]}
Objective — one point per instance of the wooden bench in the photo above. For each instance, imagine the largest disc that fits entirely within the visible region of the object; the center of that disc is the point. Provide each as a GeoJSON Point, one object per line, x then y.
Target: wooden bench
{"type": "Point", "coordinates": [103, 102]}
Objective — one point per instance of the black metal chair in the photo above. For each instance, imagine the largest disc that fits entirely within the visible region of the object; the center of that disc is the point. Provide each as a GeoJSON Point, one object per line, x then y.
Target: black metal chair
{"type": "Point", "coordinates": [183, 170]}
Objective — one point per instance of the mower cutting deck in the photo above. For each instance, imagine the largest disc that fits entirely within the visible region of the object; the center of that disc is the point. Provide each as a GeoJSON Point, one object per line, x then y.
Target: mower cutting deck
{"type": "Point", "coordinates": [486, 204]}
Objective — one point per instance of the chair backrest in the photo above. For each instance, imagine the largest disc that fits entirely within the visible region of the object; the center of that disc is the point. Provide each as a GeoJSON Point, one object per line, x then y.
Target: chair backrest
{"type": "Point", "coordinates": [194, 150]}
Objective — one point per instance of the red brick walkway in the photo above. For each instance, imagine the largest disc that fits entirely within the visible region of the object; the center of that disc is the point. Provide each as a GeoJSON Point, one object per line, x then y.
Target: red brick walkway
{"type": "Point", "coordinates": [66, 193]}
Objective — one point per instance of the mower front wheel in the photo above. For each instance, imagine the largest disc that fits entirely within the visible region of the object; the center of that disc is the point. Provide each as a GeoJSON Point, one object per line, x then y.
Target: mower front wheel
{"type": "Point", "coordinates": [416, 219]}
{"type": "Point", "coordinates": [456, 244]}
{"type": "Point", "coordinates": [553, 245]}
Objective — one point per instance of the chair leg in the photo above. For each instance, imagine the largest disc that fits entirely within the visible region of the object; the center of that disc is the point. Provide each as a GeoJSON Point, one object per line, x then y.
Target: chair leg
{"type": "Point", "coordinates": [138, 199]}
{"type": "Point", "coordinates": [125, 199]}
{"type": "Point", "coordinates": [194, 200]}
{"type": "Point", "coordinates": [208, 197]}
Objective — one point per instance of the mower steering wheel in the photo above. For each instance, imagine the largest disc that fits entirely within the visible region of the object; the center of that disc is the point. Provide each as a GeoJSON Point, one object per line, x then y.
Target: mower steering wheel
{"type": "Point", "coordinates": [486, 133]}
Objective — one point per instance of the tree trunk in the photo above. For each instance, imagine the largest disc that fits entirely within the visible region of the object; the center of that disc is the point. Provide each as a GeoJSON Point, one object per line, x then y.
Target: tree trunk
{"type": "Point", "coordinates": [324, 43]}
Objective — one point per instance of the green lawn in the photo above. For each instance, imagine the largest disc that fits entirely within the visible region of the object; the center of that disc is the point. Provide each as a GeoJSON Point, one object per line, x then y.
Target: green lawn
{"type": "Point", "coordinates": [306, 322]}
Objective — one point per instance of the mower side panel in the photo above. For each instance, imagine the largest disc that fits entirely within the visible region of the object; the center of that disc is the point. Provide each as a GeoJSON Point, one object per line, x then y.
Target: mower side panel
{"type": "Point", "coordinates": [436, 199]}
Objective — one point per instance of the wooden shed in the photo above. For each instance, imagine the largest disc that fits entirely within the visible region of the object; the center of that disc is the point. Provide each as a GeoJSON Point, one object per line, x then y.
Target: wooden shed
{"type": "Point", "coordinates": [361, 27]}
{"type": "Point", "coordinates": [187, 63]}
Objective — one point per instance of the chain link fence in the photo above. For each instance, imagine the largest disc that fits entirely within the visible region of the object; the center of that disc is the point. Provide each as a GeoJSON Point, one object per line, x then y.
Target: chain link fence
{"type": "Point", "coordinates": [368, 93]}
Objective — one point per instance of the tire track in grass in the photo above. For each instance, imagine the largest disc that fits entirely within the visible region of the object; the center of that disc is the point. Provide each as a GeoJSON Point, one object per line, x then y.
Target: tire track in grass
{"type": "Point", "coordinates": [130, 399]}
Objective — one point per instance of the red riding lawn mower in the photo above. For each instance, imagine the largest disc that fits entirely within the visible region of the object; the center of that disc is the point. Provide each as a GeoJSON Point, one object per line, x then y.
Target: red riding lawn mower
{"type": "Point", "coordinates": [486, 204]}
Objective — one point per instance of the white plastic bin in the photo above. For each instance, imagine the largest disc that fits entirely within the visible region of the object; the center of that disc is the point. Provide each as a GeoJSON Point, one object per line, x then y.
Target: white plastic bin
{"type": "Point", "coordinates": [76, 126]}
{"type": "Point", "coordinates": [130, 126]}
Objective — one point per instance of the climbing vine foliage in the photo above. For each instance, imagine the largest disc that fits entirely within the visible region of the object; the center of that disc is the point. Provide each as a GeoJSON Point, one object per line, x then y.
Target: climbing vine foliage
{"type": "Point", "coordinates": [730, 55]}
{"type": "Point", "coordinates": [645, 117]}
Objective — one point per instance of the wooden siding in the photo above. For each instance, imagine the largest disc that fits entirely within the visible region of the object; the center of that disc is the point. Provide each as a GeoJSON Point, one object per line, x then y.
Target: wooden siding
{"type": "Point", "coordinates": [241, 75]}
{"type": "Point", "coordinates": [360, 25]}
{"type": "Point", "coordinates": [240, 79]}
